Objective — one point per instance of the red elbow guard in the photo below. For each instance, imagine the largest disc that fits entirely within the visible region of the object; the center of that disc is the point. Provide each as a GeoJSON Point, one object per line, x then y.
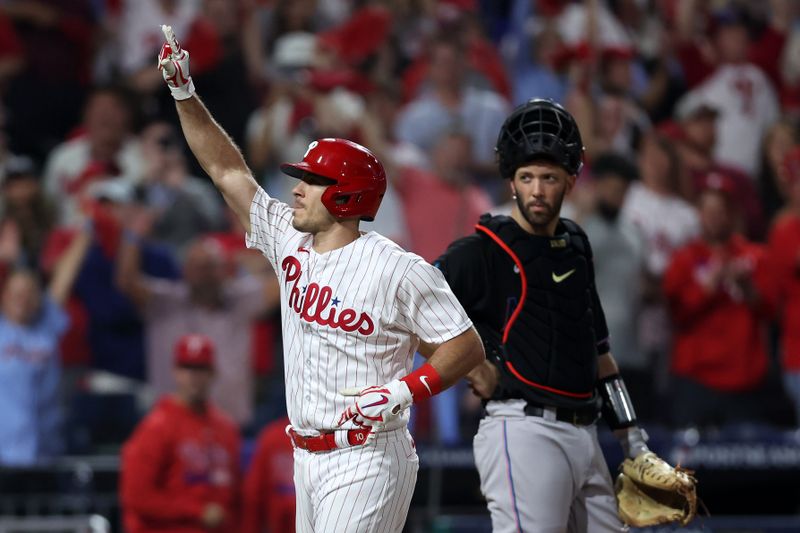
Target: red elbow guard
{"type": "Point", "coordinates": [424, 382]}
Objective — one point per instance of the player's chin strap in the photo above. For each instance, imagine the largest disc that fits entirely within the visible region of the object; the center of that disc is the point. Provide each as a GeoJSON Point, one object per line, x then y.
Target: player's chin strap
{"type": "Point", "coordinates": [618, 412]}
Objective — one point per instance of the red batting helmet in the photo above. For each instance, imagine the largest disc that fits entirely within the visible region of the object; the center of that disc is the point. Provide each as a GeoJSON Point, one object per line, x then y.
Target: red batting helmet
{"type": "Point", "coordinates": [359, 181]}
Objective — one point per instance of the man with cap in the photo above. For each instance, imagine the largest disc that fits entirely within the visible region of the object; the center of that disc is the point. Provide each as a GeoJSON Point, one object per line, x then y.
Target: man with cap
{"type": "Point", "coordinates": [180, 468]}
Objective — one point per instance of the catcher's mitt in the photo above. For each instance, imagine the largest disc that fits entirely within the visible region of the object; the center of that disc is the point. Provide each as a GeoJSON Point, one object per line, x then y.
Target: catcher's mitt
{"type": "Point", "coordinates": [650, 492]}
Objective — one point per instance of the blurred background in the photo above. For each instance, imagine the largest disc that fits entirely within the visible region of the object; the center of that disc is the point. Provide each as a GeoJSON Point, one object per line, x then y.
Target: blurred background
{"type": "Point", "coordinates": [114, 244]}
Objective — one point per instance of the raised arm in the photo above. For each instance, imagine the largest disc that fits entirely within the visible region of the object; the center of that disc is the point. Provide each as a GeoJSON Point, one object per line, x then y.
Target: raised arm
{"type": "Point", "coordinates": [68, 267]}
{"type": "Point", "coordinates": [213, 148]}
{"type": "Point", "coordinates": [128, 275]}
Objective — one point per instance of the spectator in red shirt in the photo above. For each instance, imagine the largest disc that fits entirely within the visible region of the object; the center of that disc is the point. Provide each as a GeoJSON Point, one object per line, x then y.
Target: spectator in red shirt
{"type": "Point", "coordinates": [180, 469]}
{"type": "Point", "coordinates": [784, 255]}
{"type": "Point", "coordinates": [268, 497]}
{"type": "Point", "coordinates": [715, 289]}
{"type": "Point", "coordinates": [442, 203]}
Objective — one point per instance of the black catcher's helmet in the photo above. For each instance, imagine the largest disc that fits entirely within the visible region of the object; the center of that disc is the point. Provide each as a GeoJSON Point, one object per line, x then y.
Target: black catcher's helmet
{"type": "Point", "coordinates": [539, 128]}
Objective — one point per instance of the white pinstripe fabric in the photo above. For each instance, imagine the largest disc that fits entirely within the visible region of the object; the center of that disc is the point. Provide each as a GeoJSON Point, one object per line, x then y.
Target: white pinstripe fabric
{"type": "Point", "coordinates": [389, 297]}
{"type": "Point", "coordinates": [351, 317]}
{"type": "Point", "coordinates": [362, 489]}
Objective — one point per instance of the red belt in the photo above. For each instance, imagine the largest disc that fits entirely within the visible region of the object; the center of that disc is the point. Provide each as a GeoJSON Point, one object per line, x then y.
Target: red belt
{"type": "Point", "coordinates": [326, 442]}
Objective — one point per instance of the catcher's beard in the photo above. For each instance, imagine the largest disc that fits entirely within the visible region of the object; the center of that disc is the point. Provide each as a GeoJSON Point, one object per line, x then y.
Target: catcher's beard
{"type": "Point", "coordinates": [540, 221]}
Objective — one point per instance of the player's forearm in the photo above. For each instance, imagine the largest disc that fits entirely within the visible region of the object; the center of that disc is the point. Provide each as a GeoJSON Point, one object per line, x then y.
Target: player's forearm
{"type": "Point", "coordinates": [213, 148]}
{"type": "Point", "coordinates": [483, 379]}
{"type": "Point", "coordinates": [450, 361]}
{"type": "Point", "coordinates": [68, 267]}
{"type": "Point", "coordinates": [219, 157]}
{"type": "Point", "coordinates": [128, 276]}
{"type": "Point", "coordinates": [618, 410]}
{"type": "Point", "coordinates": [606, 366]}
{"type": "Point", "coordinates": [455, 358]}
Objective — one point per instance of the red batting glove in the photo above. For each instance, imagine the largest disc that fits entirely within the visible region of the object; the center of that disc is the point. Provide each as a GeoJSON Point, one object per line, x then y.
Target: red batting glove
{"type": "Point", "coordinates": [173, 62]}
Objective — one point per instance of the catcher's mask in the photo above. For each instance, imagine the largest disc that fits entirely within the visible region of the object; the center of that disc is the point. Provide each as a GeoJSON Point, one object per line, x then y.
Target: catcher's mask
{"type": "Point", "coordinates": [539, 128]}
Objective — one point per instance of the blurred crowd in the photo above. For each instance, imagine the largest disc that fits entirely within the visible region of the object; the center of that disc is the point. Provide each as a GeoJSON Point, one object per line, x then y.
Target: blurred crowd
{"type": "Point", "coordinates": [114, 245]}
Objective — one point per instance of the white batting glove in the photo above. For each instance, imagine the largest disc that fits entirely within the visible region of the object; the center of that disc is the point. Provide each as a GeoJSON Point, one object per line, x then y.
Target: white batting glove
{"type": "Point", "coordinates": [377, 405]}
{"type": "Point", "coordinates": [173, 62]}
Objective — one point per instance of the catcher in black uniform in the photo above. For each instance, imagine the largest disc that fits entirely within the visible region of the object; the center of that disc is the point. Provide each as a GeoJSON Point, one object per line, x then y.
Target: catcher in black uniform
{"type": "Point", "coordinates": [527, 282]}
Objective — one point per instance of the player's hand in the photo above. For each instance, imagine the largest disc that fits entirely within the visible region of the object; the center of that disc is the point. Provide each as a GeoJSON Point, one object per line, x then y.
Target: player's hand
{"type": "Point", "coordinates": [377, 405]}
{"type": "Point", "coordinates": [483, 379]}
{"type": "Point", "coordinates": [173, 62]}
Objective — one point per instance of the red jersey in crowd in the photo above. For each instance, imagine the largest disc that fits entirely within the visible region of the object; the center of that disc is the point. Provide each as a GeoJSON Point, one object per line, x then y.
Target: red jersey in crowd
{"type": "Point", "coordinates": [177, 462]}
{"type": "Point", "coordinates": [268, 498]}
{"type": "Point", "coordinates": [784, 254]}
{"type": "Point", "coordinates": [720, 338]}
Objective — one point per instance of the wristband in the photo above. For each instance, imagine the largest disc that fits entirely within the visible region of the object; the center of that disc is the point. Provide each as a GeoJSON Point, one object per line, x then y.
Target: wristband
{"type": "Point", "coordinates": [424, 382]}
{"type": "Point", "coordinates": [617, 406]}
{"type": "Point", "coordinates": [182, 92]}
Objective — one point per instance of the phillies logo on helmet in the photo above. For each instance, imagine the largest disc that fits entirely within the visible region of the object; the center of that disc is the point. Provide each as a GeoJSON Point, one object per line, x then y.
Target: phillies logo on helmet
{"type": "Point", "coordinates": [320, 299]}
{"type": "Point", "coordinates": [311, 146]}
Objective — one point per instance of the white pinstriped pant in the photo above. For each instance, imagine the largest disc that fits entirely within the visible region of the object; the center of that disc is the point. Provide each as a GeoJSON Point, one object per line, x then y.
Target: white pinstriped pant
{"type": "Point", "coordinates": [360, 489]}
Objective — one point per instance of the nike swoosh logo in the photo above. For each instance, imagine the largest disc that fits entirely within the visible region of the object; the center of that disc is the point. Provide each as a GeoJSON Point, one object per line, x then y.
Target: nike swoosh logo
{"type": "Point", "coordinates": [562, 277]}
{"type": "Point", "coordinates": [424, 380]}
{"type": "Point", "coordinates": [384, 399]}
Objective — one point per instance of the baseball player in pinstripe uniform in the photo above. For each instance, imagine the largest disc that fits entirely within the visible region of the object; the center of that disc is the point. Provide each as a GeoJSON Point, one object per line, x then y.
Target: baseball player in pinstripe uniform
{"type": "Point", "coordinates": [527, 281]}
{"type": "Point", "coordinates": [355, 309]}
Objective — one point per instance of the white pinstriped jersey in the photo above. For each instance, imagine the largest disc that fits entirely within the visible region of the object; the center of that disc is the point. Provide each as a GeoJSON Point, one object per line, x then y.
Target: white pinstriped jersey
{"type": "Point", "coordinates": [351, 317]}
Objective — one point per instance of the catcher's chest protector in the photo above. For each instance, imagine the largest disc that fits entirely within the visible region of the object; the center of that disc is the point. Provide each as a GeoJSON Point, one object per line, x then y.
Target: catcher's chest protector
{"type": "Point", "coordinates": [548, 338]}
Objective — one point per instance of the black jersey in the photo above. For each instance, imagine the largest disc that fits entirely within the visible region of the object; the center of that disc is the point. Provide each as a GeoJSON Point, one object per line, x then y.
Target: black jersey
{"type": "Point", "coordinates": [534, 302]}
